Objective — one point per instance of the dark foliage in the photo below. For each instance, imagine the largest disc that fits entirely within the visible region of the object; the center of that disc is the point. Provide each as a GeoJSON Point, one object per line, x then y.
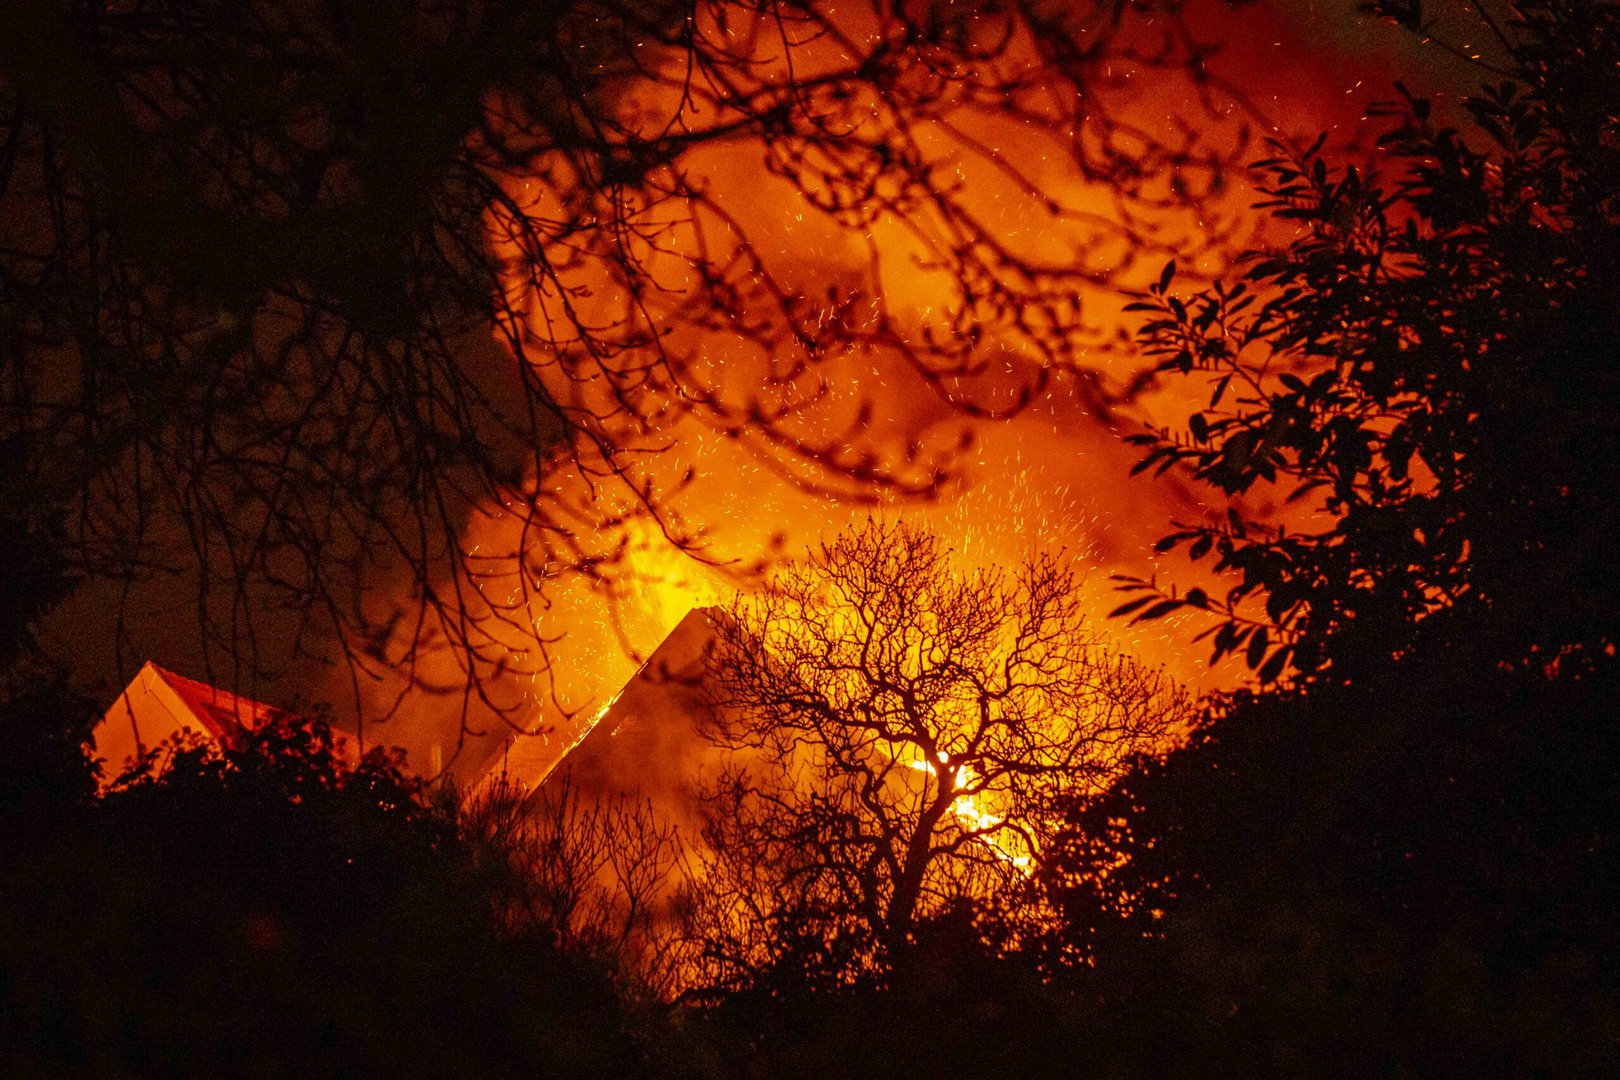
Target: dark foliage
{"type": "Point", "coordinates": [46, 775]}
{"type": "Point", "coordinates": [948, 1009]}
{"type": "Point", "coordinates": [1428, 369]}
{"type": "Point", "coordinates": [1404, 861]}
{"type": "Point", "coordinates": [268, 911]}
{"type": "Point", "coordinates": [1415, 874]}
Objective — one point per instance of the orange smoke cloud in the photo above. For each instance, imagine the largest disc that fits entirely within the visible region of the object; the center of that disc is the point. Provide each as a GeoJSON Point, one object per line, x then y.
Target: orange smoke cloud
{"type": "Point", "coordinates": [880, 283]}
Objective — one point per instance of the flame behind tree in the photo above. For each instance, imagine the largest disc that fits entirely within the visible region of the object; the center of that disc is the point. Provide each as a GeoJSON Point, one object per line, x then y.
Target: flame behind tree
{"type": "Point", "coordinates": [901, 732]}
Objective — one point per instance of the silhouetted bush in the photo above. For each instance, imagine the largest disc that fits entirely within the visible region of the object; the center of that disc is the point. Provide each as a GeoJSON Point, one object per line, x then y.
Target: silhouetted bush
{"type": "Point", "coordinates": [1415, 873]}
{"type": "Point", "coordinates": [269, 911]}
{"type": "Point", "coordinates": [1403, 860]}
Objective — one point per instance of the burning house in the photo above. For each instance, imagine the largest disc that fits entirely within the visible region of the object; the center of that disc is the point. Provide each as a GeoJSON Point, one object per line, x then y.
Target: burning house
{"type": "Point", "coordinates": [160, 709]}
{"type": "Point", "coordinates": [644, 740]}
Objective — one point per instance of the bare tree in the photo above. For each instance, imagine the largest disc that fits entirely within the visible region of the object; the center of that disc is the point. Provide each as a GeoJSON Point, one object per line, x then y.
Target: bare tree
{"type": "Point", "coordinates": [255, 259]}
{"type": "Point", "coordinates": [598, 876]}
{"type": "Point", "coordinates": [901, 733]}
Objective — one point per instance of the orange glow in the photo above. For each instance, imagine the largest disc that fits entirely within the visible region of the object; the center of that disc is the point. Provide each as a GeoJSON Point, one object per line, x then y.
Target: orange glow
{"type": "Point", "coordinates": [1005, 440]}
{"type": "Point", "coordinates": [1009, 844]}
{"type": "Point", "coordinates": [1050, 477]}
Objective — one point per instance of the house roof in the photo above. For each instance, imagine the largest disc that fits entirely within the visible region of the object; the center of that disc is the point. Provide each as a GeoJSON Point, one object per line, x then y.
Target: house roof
{"type": "Point", "coordinates": [643, 738]}
{"type": "Point", "coordinates": [224, 714]}
{"type": "Point", "coordinates": [647, 740]}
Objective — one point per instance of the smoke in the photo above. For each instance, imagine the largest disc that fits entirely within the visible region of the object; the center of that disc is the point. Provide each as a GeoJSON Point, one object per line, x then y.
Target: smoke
{"type": "Point", "coordinates": [836, 324]}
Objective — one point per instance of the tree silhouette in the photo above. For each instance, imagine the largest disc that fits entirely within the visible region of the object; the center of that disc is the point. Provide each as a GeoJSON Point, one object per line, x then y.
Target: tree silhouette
{"type": "Point", "coordinates": [596, 876]}
{"type": "Point", "coordinates": [1407, 874]}
{"type": "Point", "coordinates": [269, 909]}
{"type": "Point", "coordinates": [1392, 862]}
{"type": "Point", "coordinates": [1421, 373]}
{"type": "Point", "coordinates": [900, 732]}
{"type": "Point", "coordinates": [254, 257]}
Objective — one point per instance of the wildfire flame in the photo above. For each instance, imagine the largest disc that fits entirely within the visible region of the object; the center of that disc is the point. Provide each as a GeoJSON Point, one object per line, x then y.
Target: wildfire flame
{"type": "Point", "coordinates": [1009, 844]}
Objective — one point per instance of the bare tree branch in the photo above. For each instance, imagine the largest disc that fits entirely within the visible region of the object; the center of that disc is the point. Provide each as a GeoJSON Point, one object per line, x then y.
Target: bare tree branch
{"type": "Point", "coordinates": [900, 733]}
